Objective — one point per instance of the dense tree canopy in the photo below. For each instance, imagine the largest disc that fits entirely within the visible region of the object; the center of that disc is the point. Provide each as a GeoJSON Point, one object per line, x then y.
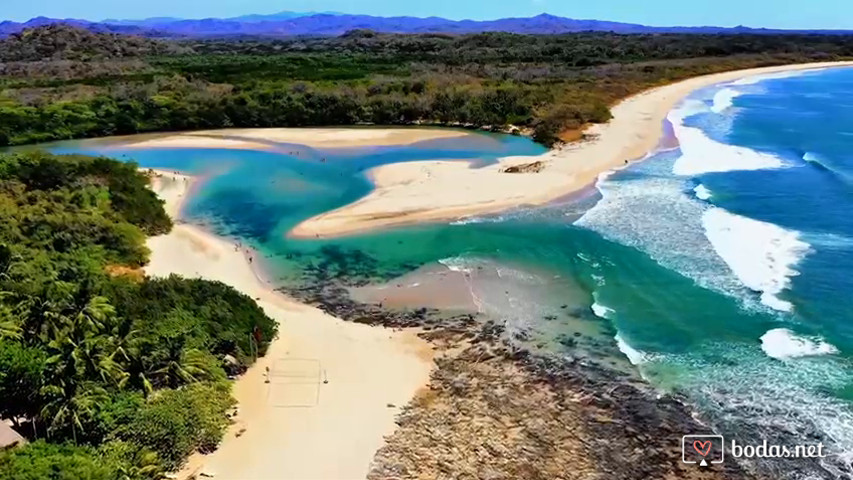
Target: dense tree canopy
{"type": "Point", "coordinates": [548, 85]}
{"type": "Point", "coordinates": [121, 374]}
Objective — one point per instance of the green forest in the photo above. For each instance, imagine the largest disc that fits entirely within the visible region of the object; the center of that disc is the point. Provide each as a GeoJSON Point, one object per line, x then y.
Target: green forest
{"type": "Point", "coordinates": [108, 373]}
{"type": "Point", "coordinates": [59, 82]}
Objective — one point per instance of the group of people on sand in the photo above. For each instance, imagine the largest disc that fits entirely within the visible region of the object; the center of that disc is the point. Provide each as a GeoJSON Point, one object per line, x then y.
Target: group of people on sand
{"type": "Point", "coordinates": [239, 246]}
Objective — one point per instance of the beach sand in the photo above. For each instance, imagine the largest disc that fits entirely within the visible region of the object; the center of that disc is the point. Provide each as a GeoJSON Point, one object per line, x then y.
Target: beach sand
{"type": "Point", "coordinates": [439, 190]}
{"type": "Point", "coordinates": [277, 138]}
{"type": "Point", "coordinates": [335, 387]}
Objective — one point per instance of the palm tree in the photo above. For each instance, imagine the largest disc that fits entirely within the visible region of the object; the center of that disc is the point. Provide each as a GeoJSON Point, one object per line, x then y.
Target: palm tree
{"type": "Point", "coordinates": [95, 356]}
{"type": "Point", "coordinates": [80, 353]}
{"type": "Point", "coordinates": [94, 314]}
{"type": "Point", "coordinates": [71, 404]}
{"type": "Point", "coordinates": [39, 317]}
{"type": "Point", "coordinates": [135, 362]}
{"type": "Point", "coordinates": [145, 464]}
{"type": "Point", "coordinates": [80, 343]}
{"type": "Point", "coordinates": [181, 365]}
{"type": "Point", "coordinates": [122, 337]}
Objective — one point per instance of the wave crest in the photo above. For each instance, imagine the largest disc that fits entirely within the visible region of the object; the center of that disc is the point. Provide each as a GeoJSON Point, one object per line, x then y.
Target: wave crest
{"type": "Point", "coordinates": [782, 343]}
{"type": "Point", "coordinates": [700, 154]}
{"type": "Point", "coordinates": [702, 192]}
{"type": "Point", "coordinates": [724, 99]}
{"type": "Point", "coordinates": [762, 255]}
{"type": "Point", "coordinates": [635, 356]}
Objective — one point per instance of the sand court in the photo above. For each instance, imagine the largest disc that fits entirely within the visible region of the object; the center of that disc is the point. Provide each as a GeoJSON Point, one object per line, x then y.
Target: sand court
{"type": "Point", "coordinates": [294, 383]}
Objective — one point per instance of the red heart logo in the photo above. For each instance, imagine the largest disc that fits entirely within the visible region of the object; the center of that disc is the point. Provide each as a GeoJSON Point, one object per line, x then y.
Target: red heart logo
{"type": "Point", "coordinates": [703, 448]}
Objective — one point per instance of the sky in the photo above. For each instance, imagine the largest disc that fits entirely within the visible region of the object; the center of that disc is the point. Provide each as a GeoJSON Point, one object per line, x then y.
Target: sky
{"type": "Point", "coordinates": [803, 14]}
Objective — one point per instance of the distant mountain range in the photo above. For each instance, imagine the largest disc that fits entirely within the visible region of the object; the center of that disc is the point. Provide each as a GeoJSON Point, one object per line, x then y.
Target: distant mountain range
{"type": "Point", "coordinates": [274, 17]}
{"type": "Point", "coordinates": [330, 23]}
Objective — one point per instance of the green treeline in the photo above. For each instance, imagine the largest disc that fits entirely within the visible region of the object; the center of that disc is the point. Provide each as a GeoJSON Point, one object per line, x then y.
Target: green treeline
{"type": "Point", "coordinates": [114, 375]}
{"type": "Point", "coordinates": [545, 84]}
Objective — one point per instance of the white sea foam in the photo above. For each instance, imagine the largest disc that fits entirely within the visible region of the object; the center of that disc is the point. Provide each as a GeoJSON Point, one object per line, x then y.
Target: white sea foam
{"type": "Point", "coordinates": [505, 272]}
{"type": "Point", "coordinates": [727, 253]}
{"type": "Point", "coordinates": [468, 221]}
{"type": "Point", "coordinates": [602, 311]}
{"type": "Point", "coordinates": [762, 255]}
{"type": "Point", "coordinates": [741, 387]}
{"type": "Point", "coordinates": [466, 267]}
{"type": "Point", "coordinates": [724, 99]}
{"type": "Point", "coordinates": [635, 356]}
{"type": "Point", "coordinates": [702, 192]}
{"type": "Point", "coordinates": [755, 79]}
{"type": "Point", "coordinates": [651, 212]}
{"type": "Point", "coordinates": [458, 264]}
{"type": "Point", "coordinates": [811, 157]}
{"type": "Point", "coordinates": [782, 343]}
{"type": "Point", "coordinates": [700, 154]}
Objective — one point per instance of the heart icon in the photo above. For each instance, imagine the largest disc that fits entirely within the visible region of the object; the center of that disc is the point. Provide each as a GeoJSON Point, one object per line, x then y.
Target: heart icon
{"type": "Point", "coordinates": [703, 448]}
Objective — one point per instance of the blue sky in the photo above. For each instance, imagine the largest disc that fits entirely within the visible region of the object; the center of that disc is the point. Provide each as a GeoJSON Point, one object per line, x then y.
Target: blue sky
{"type": "Point", "coordinates": [756, 13]}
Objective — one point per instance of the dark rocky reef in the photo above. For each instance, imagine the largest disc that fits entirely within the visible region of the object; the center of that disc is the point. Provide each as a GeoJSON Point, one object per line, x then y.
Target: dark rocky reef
{"type": "Point", "coordinates": [496, 411]}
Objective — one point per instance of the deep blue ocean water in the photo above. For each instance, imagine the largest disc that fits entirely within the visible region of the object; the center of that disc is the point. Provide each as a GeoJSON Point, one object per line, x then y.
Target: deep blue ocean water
{"type": "Point", "coordinates": [719, 270]}
{"type": "Point", "coordinates": [753, 207]}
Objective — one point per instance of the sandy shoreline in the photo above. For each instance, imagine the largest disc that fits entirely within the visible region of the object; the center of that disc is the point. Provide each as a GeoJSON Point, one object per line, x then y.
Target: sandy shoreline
{"type": "Point", "coordinates": [273, 139]}
{"type": "Point", "coordinates": [414, 192]}
{"type": "Point", "coordinates": [297, 426]}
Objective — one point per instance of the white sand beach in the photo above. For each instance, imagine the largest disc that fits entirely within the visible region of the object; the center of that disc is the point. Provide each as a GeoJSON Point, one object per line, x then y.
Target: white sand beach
{"type": "Point", "coordinates": [335, 387]}
{"type": "Point", "coordinates": [439, 190]}
{"type": "Point", "coordinates": [267, 138]}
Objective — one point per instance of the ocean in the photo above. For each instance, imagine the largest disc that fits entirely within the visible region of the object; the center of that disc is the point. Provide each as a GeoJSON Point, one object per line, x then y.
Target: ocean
{"type": "Point", "coordinates": [717, 271]}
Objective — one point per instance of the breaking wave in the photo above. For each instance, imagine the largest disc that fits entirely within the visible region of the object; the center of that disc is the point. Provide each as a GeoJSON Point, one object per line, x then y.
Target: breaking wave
{"type": "Point", "coordinates": [601, 311]}
{"type": "Point", "coordinates": [635, 356]}
{"type": "Point", "coordinates": [762, 255]}
{"type": "Point", "coordinates": [702, 192]}
{"type": "Point", "coordinates": [741, 389]}
{"type": "Point", "coordinates": [700, 154]}
{"type": "Point", "coordinates": [724, 99]}
{"type": "Point", "coordinates": [782, 343]}
{"type": "Point", "coordinates": [652, 212]}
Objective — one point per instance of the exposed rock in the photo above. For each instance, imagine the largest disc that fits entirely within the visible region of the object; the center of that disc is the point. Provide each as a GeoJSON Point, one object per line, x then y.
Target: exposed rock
{"type": "Point", "coordinates": [533, 167]}
{"type": "Point", "coordinates": [490, 413]}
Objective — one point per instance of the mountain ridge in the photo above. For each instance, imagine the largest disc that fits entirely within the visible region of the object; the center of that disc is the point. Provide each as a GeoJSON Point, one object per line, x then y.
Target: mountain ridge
{"type": "Point", "coordinates": [284, 24]}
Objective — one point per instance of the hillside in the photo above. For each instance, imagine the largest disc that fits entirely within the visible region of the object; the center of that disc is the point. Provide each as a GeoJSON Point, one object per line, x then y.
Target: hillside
{"type": "Point", "coordinates": [545, 86]}
{"type": "Point", "coordinates": [65, 42]}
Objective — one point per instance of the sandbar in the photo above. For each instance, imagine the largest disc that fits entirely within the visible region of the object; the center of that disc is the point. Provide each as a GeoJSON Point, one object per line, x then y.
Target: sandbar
{"type": "Point", "coordinates": [277, 139]}
{"type": "Point", "coordinates": [432, 191]}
